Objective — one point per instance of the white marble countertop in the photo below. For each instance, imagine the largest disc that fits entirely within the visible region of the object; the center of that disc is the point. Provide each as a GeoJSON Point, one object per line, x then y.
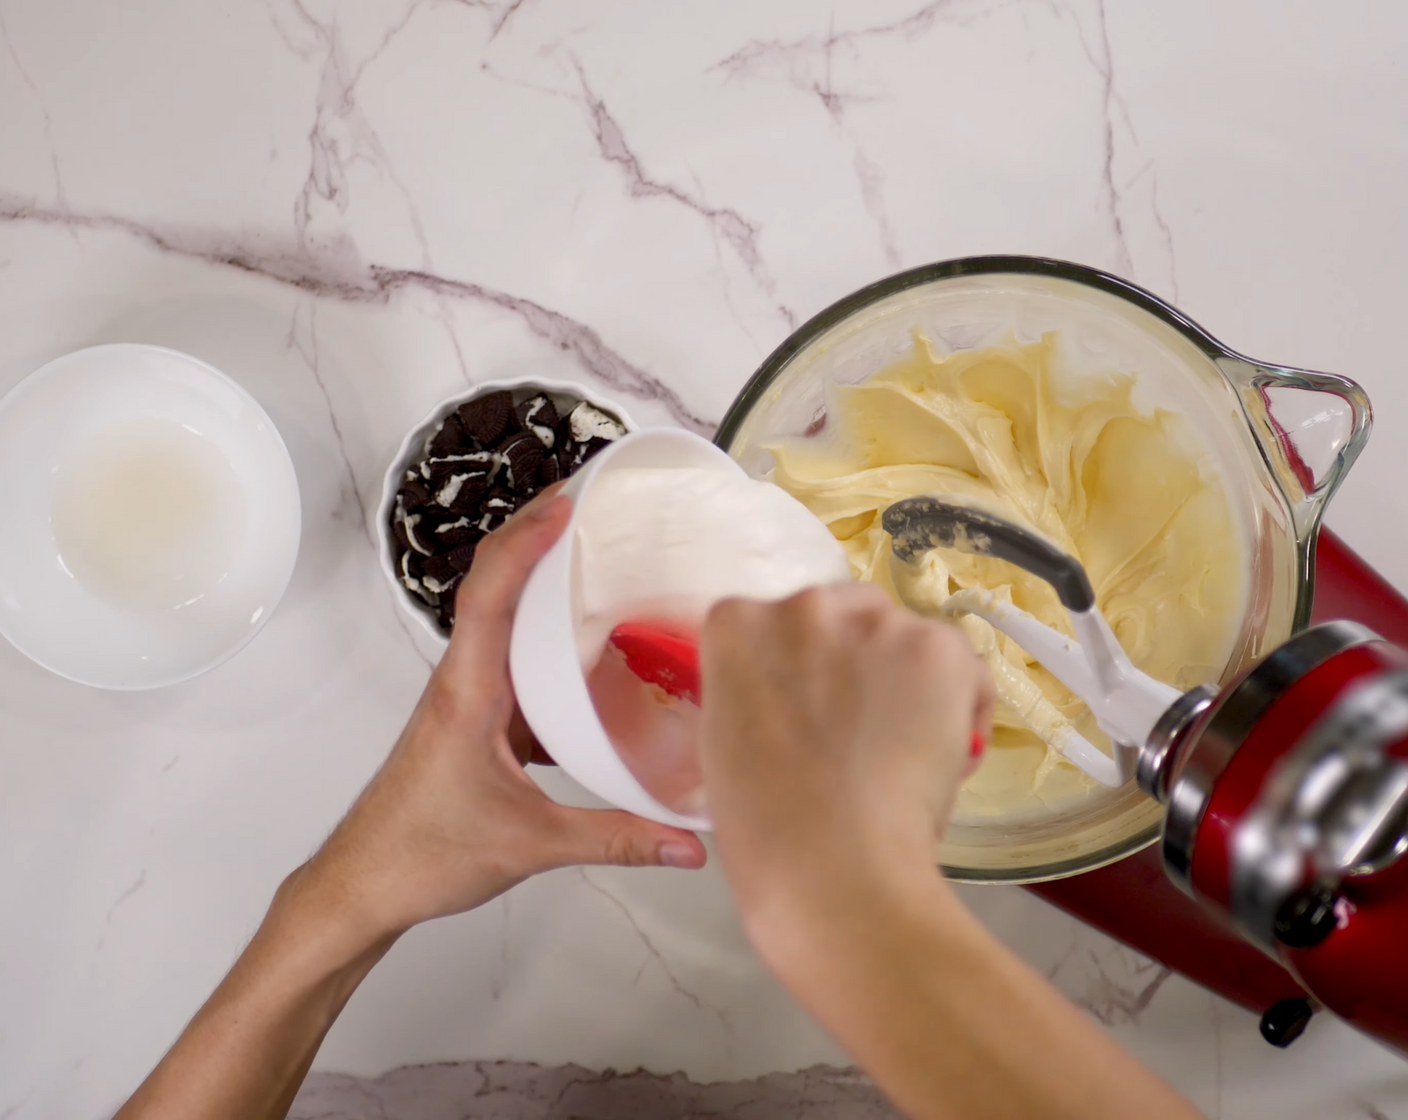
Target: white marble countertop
{"type": "Point", "coordinates": [355, 209]}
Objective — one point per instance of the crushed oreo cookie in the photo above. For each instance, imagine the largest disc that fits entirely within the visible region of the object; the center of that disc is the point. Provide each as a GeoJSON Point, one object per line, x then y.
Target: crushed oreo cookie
{"type": "Point", "coordinates": [484, 461]}
{"type": "Point", "coordinates": [587, 422]}
{"type": "Point", "coordinates": [449, 439]}
{"type": "Point", "coordinates": [538, 415]}
{"type": "Point", "coordinates": [486, 418]}
{"type": "Point", "coordinates": [522, 455]}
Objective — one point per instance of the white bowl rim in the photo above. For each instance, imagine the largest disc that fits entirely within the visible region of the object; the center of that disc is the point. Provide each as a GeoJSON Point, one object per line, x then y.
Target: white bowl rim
{"type": "Point", "coordinates": [415, 437]}
{"type": "Point", "coordinates": [245, 395]}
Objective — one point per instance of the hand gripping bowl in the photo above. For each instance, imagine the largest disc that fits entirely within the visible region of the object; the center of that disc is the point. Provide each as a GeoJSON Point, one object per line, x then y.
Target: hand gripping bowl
{"type": "Point", "coordinates": [1282, 440]}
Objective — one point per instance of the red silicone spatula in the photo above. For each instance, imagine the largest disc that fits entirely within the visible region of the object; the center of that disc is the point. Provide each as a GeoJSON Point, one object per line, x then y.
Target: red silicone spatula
{"type": "Point", "coordinates": [669, 659]}
{"type": "Point", "coordinates": [660, 656]}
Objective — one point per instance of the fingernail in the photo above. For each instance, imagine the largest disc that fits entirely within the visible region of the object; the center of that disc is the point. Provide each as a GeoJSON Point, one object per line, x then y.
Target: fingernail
{"type": "Point", "coordinates": [679, 855]}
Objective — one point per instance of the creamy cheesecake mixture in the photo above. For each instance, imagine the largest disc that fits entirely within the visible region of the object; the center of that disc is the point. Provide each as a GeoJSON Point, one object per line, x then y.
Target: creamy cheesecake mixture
{"type": "Point", "coordinates": [1128, 493]}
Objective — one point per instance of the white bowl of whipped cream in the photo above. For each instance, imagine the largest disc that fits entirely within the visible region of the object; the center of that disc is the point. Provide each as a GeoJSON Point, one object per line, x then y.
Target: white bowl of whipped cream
{"type": "Point", "coordinates": [152, 516]}
{"type": "Point", "coordinates": [664, 525]}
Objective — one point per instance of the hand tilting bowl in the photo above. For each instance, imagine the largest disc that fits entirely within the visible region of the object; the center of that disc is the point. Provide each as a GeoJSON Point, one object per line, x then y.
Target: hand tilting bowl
{"type": "Point", "coordinates": [1281, 439]}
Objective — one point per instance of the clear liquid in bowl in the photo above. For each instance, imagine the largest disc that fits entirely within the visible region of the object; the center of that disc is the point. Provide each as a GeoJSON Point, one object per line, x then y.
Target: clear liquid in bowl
{"type": "Point", "coordinates": [148, 515]}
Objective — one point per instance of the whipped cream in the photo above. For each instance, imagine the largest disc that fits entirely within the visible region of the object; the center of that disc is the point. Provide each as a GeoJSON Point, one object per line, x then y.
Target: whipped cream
{"type": "Point", "coordinates": [663, 545]}
{"type": "Point", "coordinates": [669, 542]}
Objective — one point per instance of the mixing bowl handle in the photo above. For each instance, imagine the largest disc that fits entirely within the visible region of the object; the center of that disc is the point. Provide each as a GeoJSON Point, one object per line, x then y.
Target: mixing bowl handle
{"type": "Point", "coordinates": [1310, 427]}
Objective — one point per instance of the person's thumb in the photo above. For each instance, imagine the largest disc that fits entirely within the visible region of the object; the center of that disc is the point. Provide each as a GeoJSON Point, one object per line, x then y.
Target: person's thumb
{"type": "Point", "coordinates": [614, 837]}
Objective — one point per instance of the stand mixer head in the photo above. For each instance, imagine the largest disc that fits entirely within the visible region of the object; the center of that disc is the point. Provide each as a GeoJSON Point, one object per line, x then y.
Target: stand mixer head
{"type": "Point", "coordinates": [1285, 794]}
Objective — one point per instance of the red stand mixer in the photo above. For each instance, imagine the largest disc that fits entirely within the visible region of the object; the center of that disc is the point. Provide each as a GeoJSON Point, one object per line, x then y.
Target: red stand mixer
{"type": "Point", "coordinates": [1285, 793]}
{"type": "Point", "coordinates": [1286, 801]}
{"type": "Point", "coordinates": [1136, 902]}
{"type": "Point", "coordinates": [1280, 794]}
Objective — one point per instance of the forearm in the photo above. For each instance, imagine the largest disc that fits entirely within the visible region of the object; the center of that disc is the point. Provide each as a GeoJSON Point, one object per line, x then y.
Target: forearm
{"type": "Point", "coordinates": [246, 1052]}
{"type": "Point", "coordinates": [950, 1024]}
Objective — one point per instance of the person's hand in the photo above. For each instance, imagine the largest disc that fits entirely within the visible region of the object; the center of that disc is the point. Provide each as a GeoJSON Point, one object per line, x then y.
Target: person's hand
{"type": "Point", "coordinates": [836, 733]}
{"type": "Point", "coordinates": [451, 819]}
{"type": "Point", "coordinates": [837, 728]}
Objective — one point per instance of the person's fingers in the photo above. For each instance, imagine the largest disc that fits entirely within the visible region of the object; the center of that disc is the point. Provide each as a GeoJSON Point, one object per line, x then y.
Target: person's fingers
{"type": "Point", "coordinates": [727, 616]}
{"type": "Point", "coordinates": [737, 624]}
{"type": "Point", "coordinates": [502, 562]}
{"type": "Point", "coordinates": [617, 838]}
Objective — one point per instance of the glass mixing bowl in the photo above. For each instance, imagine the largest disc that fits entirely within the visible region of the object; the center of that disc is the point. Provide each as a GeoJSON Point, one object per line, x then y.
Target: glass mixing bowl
{"type": "Point", "coordinates": [1282, 439]}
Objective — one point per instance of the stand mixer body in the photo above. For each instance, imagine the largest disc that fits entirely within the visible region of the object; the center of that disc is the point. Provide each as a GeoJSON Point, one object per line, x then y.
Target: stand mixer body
{"type": "Point", "coordinates": [1285, 794]}
{"type": "Point", "coordinates": [1286, 812]}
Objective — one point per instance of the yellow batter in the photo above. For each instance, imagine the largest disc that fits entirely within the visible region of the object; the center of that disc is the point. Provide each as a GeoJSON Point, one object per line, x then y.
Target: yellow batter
{"type": "Point", "coordinates": [1073, 459]}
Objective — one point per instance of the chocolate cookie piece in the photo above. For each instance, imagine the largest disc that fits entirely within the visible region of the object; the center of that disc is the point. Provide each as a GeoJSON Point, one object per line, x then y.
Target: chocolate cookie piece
{"type": "Point", "coordinates": [398, 526]}
{"type": "Point", "coordinates": [462, 557]}
{"type": "Point", "coordinates": [439, 575]}
{"type": "Point", "coordinates": [588, 422]}
{"type": "Point", "coordinates": [549, 471]}
{"type": "Point", "coordinates": [450, 439]}
{"type": "Point", "coordinates": [467, 498]}
{"type": "Point", "coordinates": [594, 446]}
{"type": "Point", "coordinates": [411, 571]}
{"type": "Point", "coordinates": [462, 491]}
{"type": "Point", "coordinates": [432, 517]}
{"type": "Point", "coordinates": [415, 493]}
{"type": "Point", "coordinates": [521, 455]}
{"type": "Point", "coordinates": [498, 507]}
{"type": "Point", "coordinates": [454, 534]}
{"type": "Point", "coordinates": [502, 500]}
{"type": "Point", "coordinates": [437, 470]}
{"type": "Point", "coordinates": [539, 416]}
{"type": "Point", "coordinates": [581, 452]}
{"type": "Point", "coordinates": [487, 418]}
{"type": "Point", "coordinates": [438, 529]}
{"type": "Point", "coordinates": [418, 536]}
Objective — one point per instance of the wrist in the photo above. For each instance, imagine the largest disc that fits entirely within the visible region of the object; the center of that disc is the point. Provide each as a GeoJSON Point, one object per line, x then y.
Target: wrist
{"type": "Point", "coordinates": [321, 923]}
{"type": "Point", "coordinates": [855, 967]}
{"type": "Point", "coordinates": [803, 930]}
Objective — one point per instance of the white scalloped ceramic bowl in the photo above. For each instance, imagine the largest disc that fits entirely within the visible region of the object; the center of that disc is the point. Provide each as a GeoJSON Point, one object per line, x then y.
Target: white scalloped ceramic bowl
{"type": "Point", "coordinates": [412, 447]}
{"type": "Point", "coordinates": [543, 659]}
{"type": "Point", "coordinates": [66, 407]}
